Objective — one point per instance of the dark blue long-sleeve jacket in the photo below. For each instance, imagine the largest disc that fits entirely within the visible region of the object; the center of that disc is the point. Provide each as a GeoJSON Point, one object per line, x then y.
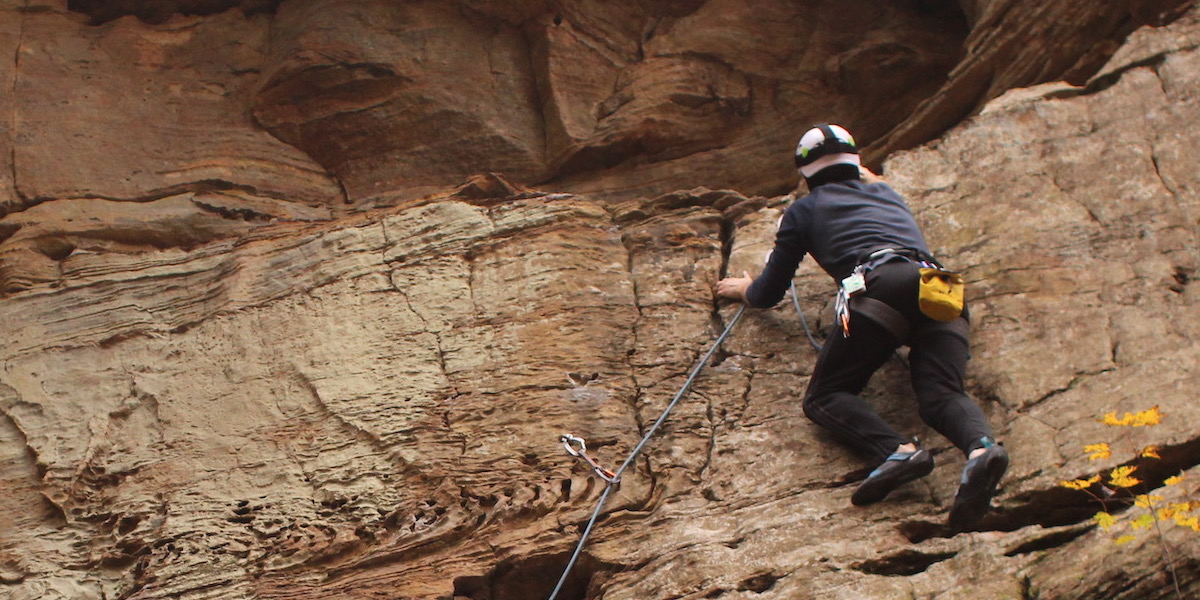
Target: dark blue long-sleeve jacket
{"type": "Point", "coordinates": [836, 223]}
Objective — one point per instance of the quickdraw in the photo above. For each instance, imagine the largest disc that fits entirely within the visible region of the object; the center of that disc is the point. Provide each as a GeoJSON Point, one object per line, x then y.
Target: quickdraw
{"type": "Point", "coordinates": [581, 453]}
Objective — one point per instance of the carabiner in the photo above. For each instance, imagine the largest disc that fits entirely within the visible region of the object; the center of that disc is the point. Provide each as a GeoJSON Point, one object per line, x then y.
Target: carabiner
{"type": "Point", "coordinates": [841, 311]}
{"type": "Point", "coordinates": [567, 439]}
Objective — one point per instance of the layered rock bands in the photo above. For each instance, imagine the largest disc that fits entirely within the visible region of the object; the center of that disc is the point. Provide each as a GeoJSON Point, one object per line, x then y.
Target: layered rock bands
{"type": "Point", "coordinates": [298, 297]}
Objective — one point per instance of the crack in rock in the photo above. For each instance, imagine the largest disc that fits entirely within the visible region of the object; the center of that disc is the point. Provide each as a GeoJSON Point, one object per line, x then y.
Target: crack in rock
{"type": "Point", "coordinates": [904, 563]}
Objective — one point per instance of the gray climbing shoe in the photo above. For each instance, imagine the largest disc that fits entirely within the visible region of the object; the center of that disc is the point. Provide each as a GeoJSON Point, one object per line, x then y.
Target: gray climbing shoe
{"type": "Point", "coordinates": [899, 469]}
{"type": "Point", "coordinates": [980, 477]}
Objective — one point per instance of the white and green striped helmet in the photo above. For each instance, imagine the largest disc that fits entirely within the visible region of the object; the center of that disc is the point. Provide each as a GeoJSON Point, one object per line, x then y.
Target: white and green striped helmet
{"type": "Point", "coordinates": [824, 146]}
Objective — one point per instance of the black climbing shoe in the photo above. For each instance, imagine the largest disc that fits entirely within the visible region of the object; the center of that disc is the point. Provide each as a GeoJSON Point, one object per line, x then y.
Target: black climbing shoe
{"type": "Point", "coordinates": [979, 480]}
{"type": "Point", "coordinates": [899, 469]}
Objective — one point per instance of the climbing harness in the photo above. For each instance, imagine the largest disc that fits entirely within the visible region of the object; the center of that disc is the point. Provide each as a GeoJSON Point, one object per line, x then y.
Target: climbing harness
{"type": "Point", "coordinates": [940, 292]}
{"type": "Point", "coordinates": [612, 481]}
{"type": "Point", "coordinates": [880, 312]}
{"type": "Point", "coordinates": [581, 453]}
{"type": "Point", "coordinates": [856, 282]}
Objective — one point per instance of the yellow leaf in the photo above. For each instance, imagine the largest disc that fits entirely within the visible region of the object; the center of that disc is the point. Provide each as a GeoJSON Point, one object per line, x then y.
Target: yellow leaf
{"type": "Point", "coordinates": [1175, 510]}
{"type": "Point", "coordinates": [1121, 477]}
{"type": "Point", "coordinates": [1182, 519]}
{"type": "Point", "coordinates": [1174, 479]}
{"type": "Point", "coordinates": [1104, 520]}
{"type": "Point", "coordinates": [1143, 522]}
{"type": "Point", "coordinates": [1140, 419]}
{"type": "Point", "coordinates": [1098, 451]}
{"type": "Point", "coordinates": [1147, 417]}
{"type": "Point", "coordinates": [1150, 452]}
{"type": "Point", "coordinates": [1125, 539]}
{"type": "Point", "coordinates": [1080, 484]}
{"type": "Point", "coordinates": [1147, 500]}
{"type": "Point", "coordinates": [1111, 419]}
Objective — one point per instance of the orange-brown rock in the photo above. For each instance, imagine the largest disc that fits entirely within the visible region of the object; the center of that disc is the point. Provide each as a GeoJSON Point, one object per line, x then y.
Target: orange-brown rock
{"type": "Point", "coordinates": [132, 113]}
{"type": "Point", "coordinates": [298, 299]}
{"type": "Point", "coordinates": [1018, 43]}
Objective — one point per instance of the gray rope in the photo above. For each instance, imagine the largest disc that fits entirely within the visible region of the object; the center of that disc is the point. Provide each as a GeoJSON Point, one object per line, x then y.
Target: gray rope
{"type": "Point", "coordinates": [803, 321]}
{"type": "Point", "coordinates": [638, 449]}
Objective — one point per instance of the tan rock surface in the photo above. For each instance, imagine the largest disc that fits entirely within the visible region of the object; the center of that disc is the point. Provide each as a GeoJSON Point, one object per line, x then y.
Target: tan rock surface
{"type": "Point", "coordinates": [10, 40]}
{"type": "Point", "coordinates": [232, 385]}
{"type": "Point", "coordinates": [128, 112]}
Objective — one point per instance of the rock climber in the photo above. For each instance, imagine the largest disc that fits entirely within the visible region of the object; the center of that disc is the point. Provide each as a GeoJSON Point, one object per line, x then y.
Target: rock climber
{"type": "Point", "coordinates": [861, 232]}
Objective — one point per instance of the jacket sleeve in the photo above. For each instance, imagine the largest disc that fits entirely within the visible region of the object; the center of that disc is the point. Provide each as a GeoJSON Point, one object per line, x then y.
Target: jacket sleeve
{"type": "Point", "coordinates": [790, 247]}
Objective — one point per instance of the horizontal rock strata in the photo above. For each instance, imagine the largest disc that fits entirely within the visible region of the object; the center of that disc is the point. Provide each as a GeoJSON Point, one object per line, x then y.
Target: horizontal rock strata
{"type": "Point", "coordinates": [244, 358]}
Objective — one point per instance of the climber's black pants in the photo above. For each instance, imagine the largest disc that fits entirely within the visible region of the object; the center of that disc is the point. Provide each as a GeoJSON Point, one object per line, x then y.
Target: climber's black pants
{"type": "Point", "coordinates": [937, 362]}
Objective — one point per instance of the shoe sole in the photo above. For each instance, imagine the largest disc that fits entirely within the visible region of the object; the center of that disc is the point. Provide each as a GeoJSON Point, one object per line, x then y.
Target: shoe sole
{"type": "Point", "coordinates": [871, 492]}
{"type": "Point", "coordinates": [967, 513]}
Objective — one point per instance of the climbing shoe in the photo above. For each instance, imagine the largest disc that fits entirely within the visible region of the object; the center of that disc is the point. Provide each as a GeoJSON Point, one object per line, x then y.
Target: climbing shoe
{"type": "Point", "coordinates": [899, 469]}
{"type": "Point", "coordinates": [980, 477]}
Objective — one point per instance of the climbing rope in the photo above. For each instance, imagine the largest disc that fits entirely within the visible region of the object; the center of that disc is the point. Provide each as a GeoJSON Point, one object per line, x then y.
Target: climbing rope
{"type": "Point", "coordinates": [803, 321]}
{"type": "Point", "coordinates": [611, 478]}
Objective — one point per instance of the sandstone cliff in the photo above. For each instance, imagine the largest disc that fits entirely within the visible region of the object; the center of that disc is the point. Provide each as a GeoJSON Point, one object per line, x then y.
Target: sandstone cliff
{"type": "Point", "coordinates": [298, 296]}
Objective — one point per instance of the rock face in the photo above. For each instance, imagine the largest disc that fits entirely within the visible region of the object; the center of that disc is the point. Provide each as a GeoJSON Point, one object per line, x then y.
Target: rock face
{"type": "Point", "coordinates": [272, 331]}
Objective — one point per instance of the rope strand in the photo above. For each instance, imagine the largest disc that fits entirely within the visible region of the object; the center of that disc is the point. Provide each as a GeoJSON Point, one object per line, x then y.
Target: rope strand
{"type": "Point", "coordinates": [803, 321]}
